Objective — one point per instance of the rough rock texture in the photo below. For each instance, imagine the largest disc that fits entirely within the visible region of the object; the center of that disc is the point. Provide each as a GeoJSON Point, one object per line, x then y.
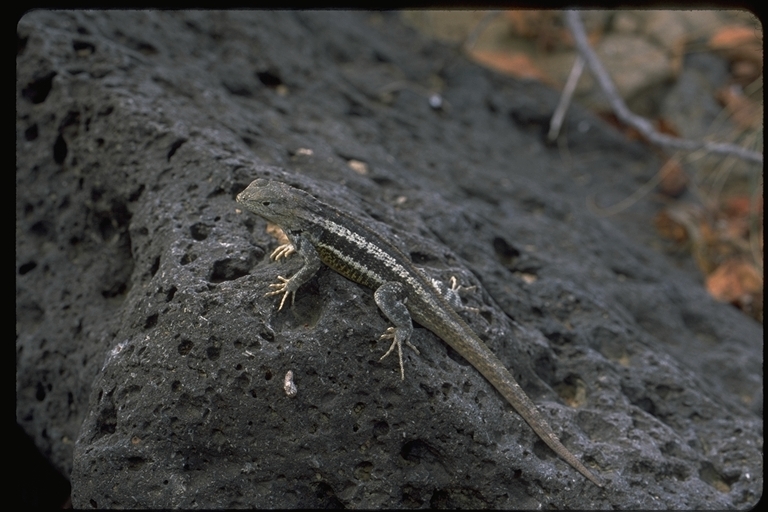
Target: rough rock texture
{"type": "Point", "coordinates": [150, 366]}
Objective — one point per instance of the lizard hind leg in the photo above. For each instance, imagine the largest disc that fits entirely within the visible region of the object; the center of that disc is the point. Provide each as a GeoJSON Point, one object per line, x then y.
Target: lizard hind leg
{"type": "Point", "coordinates": [390, 297]}
{"type": "Point", "coordinates": [392, 333]}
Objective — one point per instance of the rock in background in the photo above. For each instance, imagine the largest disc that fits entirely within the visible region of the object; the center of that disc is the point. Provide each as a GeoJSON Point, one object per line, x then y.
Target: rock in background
{"type": "Point", "coordinates": [150, 367]}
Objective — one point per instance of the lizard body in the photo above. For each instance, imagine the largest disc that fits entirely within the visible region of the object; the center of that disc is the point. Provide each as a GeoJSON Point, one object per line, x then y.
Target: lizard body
{"type": "Point", "coordinates": [322, 233]}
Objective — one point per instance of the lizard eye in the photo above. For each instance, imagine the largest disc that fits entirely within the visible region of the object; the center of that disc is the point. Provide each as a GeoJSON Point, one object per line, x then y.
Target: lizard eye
{"type": "Point", "coordinates": [265, 203]}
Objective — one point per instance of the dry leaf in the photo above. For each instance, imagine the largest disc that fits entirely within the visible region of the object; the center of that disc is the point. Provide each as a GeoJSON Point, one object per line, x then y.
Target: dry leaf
{"type": "Point", "coordinates": [669, 228]}
{"type": "Point", "coordinates": [746, 113]}
{"type": "Point", "coordinates": [532, 24]}
{"type": "Point", "coordinates": [519, 21]}
{"type": "Point", "coordinates": [516, 64]}
{"type": "Point", "coordinates": [673, 179]}
{"type": "Point", "coordinates": [735, 281]}
{"type": "Point", "coordinates": [743, 45]}
{"type": "Point", "coordinates": [739, 43]}
{"type": "Point", "coordinates": [739, 206]}
{"type": "Point", "coordinates": [629, 132]}
{"type": "Point", "coordinates": [545, 28]}
{"type": "Point", "coordinates": [745, 72]}
{"type": "Point", "coordinates": [737, 212]}
{"type": "Point", "coordinates": [666, 127]}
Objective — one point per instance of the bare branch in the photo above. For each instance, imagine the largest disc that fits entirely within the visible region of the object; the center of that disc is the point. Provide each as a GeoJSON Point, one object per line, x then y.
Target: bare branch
{"type": "Point", "coordinates": [640, 123]}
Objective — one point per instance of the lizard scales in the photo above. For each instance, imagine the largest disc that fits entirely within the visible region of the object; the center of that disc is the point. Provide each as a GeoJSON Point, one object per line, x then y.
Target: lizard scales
{"type": "Point", "coordinates": [322, 233]}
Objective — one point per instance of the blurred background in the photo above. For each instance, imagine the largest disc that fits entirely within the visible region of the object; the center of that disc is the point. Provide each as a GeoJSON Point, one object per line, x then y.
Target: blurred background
{"type": "Point", "coordinates": [693, 74]}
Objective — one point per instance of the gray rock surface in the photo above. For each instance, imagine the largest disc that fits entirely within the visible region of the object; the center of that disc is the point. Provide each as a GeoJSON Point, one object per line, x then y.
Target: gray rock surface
{"type": "Point", "coordinates": [150, 366]}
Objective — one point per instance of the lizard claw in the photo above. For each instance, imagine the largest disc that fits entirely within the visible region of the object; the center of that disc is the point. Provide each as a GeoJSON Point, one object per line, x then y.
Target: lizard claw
{"type": "Point", "coordinates": [282, 251]}
{"type": "Point", "coordinates": [283, 287]}
{"type": "Point", "coordinates": [458, 287]}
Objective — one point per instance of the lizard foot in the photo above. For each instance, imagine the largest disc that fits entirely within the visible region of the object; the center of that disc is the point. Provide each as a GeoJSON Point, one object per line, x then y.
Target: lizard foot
{"type": "Point", "coordinates": [391, 333]}
{"type": "Point", "coordinates": [456, 290]}
{"type": "Point", "coordinates": [283, 287]}
{"type": "Point", "coordinates": [453, 293]}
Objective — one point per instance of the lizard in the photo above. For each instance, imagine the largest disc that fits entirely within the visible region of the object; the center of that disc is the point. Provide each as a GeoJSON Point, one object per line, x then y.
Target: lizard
{"type": "Point", "coordinates": [323, 234]}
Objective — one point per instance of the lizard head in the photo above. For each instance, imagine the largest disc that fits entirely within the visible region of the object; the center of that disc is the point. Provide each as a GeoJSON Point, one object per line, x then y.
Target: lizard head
{"type": "Point", "coordinates": [277, 202]}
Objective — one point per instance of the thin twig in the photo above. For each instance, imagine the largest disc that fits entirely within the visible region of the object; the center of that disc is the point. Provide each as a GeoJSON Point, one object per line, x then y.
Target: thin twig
{"type": "Point", "coordinates": [634, 197]}
{"type": "Point", "coordinates": [478, 29]}
{"type": "Point", "coordinates": [640, 123]}
{"type": "Point", "coordinates": [565, 98]}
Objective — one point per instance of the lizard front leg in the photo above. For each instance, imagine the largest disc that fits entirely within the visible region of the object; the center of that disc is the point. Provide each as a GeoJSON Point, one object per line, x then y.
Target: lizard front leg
{"type": "Point", "coordinates": [311, 266]}
{"type": "Point", "coordinates": [390, 297]}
